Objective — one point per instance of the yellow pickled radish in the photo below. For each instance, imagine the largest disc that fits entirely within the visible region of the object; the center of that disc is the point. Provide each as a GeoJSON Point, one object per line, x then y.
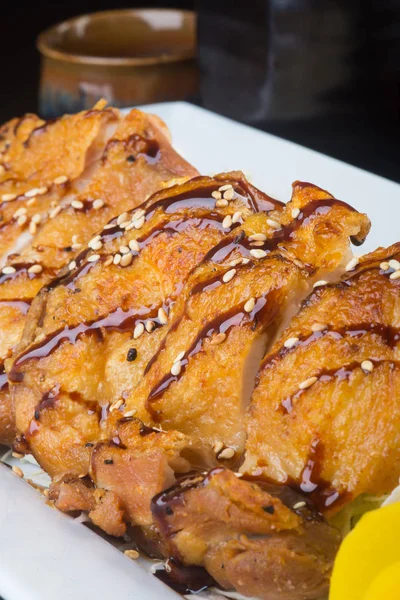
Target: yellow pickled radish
{"type": "Point", "coordinates": [387, 585]}
{"type": "Point", "coordinates": [370, 549]}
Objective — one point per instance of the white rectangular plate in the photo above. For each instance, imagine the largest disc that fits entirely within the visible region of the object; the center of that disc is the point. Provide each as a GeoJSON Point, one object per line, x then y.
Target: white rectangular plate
{"type": "Point", "coordinates": [45, 554]}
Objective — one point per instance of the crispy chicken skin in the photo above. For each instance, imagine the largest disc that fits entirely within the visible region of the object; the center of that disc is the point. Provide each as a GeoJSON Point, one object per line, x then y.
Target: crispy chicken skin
{"type": "Point", "coordinates": [49, 228]}
{"type": "Point", "coordinates": [246, 536]}
{"type": "Point", "coordinates": [106, 318]}
{"type": "Point", "coordinates": [338, 437]}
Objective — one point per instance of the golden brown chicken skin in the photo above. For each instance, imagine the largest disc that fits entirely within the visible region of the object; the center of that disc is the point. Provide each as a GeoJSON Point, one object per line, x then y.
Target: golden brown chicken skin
{"type": "Point", "coordinates": [91, 334]}
{"type": "Point", "coordinates": [54, 222]}
{"type": "Point", "coordinates": [201, 378]}
{"type": "Point", "coordinates": [328, 391]}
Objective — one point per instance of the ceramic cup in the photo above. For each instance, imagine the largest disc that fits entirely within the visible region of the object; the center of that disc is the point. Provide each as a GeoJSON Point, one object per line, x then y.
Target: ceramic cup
{"type": "Point", "coordinates": [128, 57]}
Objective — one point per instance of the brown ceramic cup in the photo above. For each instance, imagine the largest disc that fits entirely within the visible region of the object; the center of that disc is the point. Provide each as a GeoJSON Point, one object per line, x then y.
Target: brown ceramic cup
{"type": "Point", "coordinates": [129, 57]}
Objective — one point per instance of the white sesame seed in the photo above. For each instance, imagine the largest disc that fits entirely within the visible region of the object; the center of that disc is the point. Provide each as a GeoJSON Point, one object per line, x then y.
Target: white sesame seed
{"type": "Point", "coordinates": [76, 246]}
{"type": "Point", "coordinates": [41, 191]}
{"type": "Point", "coordinates": [257, 244]}
{"type": "Point", "coordinates": [116, 405]}
{"type": "Point", "coordinates": [352, 264]}
{"type": "Point", "coordinates": [308, 383]}
{"type": "Point", "coordinates": [238, 475]}
{"type": "Point", "coordinates": [18, 471]}
{"type": "Point", "coordinates": [162, 316]}
{"type": "Point", "coordinates": [134, 246]}
{"type": "Point", "coordinates": [228, 195]}
{"type": "Point", "coordinates": [124, 249]}
{"type": "Point", "coordinates": [221, 203]}
{"type": "Point", "coordinates": [30, 201]}
{"type": "Point", "coordinates": [218, 446]}
{"type": "Point", "coordinates": [139, 213]}
{"type": "Point", "coordinates": [367, 365]}
{"type": "Point", "coordinates": [137, 332]}
{"type": "Point", "coordinates": [320, 283]}
{"type": "Point", "coordinates": [8, 197]}
{"type": "Point", "coordinates": [216, 195]}
{"type": "Point", "coordinates": [108, 226]}
{"type": "Point", "coordinates": [395, 275]}
{"type": "Point", "coordinates": [60, 180]}
{"type": "Point", "coordinates": [74, 239]}
{"type": "Point", "coordinates": [250, 304]}
{"type": "Point", "coordinates": [19, 212]}
{"type": "Point", "coordinates": [130, 226]}
{"type": "Point", "coordinates": [108, 261]}
{"type": "Point", "coordinates": [8, 270]}
{"type": "Point", "coordinates": [132, 554]}
{"type": "Point", "coordinates": [53, 213]}
{"type": "Point", "coordinates": [384, 266]}
{"type": "Point", "coordinates": [93, 257]}
{"type": "Point", "coordinates": [176, 368]}
{"type": "Point", "coordinates": [394, 264]}
{"type": "Point", "coordinates": [274, 224]}
{"type": "Point", "coordinates": [22, 220]}
{"type": "Point", "coordinates": [138, 223]}
{"type": "Point", "coordinates": [97, 238]}
{"type": "Point", "coordinates": [256, 253]}
{"type": "Point", "coordinates": [34, 192]}
{"type": "Point", "coordinates": [35, 269]}
{"type": "Point", "coordinates": [229, 275]}
{"type": "Point", "coordinates": [125, 224]}
{"type": "Point", "coordinates": [99, 203]}
{"type": "Point", "coordinates": [218, 339]}
{"type": "Point", "coordinates": [290, 342]}
{"type": "Point", "coordinates": [37, 217]}
{"type": "Point", "coordinates": [17, 455]}
{"type": "Point", "coordinates": [126, 260]}
{"type": "Point", "coordinates": [318, 327]}
{"type": "Point", "coordinates": [150, 326]}
{"type": "Point", "coordinates": [130, 413]}
{"type": "Point", "coordinates": [234, 263]}
{"type": "Point", "coordinates": [77, 204]}
{"type": "Point", "coordinates": [117, 259]}
{"type": "Point", "coordinates": [72, 265]}
{"type": "Point", "coordinates": [225, 187]}
{"type": "Point", "coordinates": [257, 237]}
{"type": "Point", "coordinates": [122, 218]}
{"type": "Point", "coordinates": [32, 228]}
{"type": "Point", "coordinates": [227, 222]}
{"type": "Point", "coordinates": [236, 217]}
{"type": "Point", "coordinates": [245, 261]}
{"type": "Point", "coordinates": [97, 245]}
{"type": "Point", "coordinates": [180, 356]}
{"type": "Point", "coordinates": [299, 505]}
{"type": "Point", "coordinates": [295, 213]}
{"type": "Point", "coordinates": [226, 454]}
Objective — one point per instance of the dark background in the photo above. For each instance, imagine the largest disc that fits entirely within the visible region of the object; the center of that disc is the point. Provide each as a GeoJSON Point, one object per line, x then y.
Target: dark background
{"type": "Point", "coordinates": [366, 133]}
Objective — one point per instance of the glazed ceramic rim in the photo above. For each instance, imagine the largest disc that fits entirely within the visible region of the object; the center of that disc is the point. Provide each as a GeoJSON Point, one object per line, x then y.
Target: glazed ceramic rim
{"type": "Point", "coordinates": [44, 45]}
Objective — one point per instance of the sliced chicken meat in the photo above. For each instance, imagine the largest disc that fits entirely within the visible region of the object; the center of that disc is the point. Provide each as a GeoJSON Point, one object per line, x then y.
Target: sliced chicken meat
{"type": "Point", "coordinates": [46, 226]}
{"type": "Point", "coordinates": [328, 392]}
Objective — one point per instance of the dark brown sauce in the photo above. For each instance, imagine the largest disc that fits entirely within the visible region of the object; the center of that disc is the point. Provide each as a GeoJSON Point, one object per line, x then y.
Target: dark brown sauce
{"type": "Point", "coordinates": [136, 146]}
{"type": "Point", "coordinates": [320, 491]}
{"type": "Point", "coordinates": [390, 335]}
{"type": "Point", "coordinates": [21, 268]}
{"type": "Point", "coordinates": [22, 304]}
{"type": "Point", "coordinates": [326, 375]}
{"type": "Point", "coordinates": [234, 317]}
{"type": "Point", "coordinates": [185, 580]}
{"type": "Point", "coordinates": [119, 320]}
{"type": "Point", "coordinates": [222, 251]}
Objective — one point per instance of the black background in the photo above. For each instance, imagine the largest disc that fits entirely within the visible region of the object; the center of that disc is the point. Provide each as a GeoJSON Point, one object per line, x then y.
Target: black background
{"type": "Point", "coordinates": [369, 138]}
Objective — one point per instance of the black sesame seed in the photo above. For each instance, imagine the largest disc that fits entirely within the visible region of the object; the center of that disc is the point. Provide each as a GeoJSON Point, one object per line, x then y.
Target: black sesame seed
{"type": "Point", "coordinates": [169, 510]}
{"type": "Point", "coordinates": [109, 461]}
{"type": "Point", "coordinates": [131, 158]}
{"type": "Point", "coordinates": [37, 415]}
{"type": "Point", "coordinates": [89, 445]}
{"type": "Point", "coordinates": [132, 354]}
{"type": "Point", "coordinates": [269, 509]}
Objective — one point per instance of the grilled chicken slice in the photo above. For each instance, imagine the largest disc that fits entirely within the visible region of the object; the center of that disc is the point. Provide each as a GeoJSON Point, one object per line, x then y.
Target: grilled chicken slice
{"type": "Point", "coordinates": [91, 333]}
{"type": "Point", "coordinates": [201, 378]}
{"type": "Point", "coordinates": [54, 224]}
{"type": "Point", "coordinates": [328, 392]}
{"type": "Point", "coordinates": [263, 541]}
